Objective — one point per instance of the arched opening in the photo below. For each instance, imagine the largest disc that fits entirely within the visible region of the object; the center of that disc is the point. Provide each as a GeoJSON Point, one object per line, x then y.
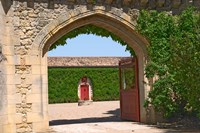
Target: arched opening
{"type": "Point", "coordinates": [89, 45]}
{"type": "Point", "coordinates": [121, 25]}
{"type": "Point", "coordinates": [85, 89]}
{"type": "Point", "coordinates": [106, 86]}
{"type": "Point", "coordinates": [85, 56]}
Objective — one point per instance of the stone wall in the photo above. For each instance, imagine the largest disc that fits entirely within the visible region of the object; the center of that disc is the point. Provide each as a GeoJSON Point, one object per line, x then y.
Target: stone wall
{"type": "Point", "coordinates": [29, 27]}
{"type": "Point", "coordinates": [84, 61]}
{"type": "Point", "coordinates": [3, 91]}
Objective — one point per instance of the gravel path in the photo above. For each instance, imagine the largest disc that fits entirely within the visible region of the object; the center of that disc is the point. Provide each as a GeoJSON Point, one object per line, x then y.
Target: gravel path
{"type": "Point", "coordinates": [99, 117]}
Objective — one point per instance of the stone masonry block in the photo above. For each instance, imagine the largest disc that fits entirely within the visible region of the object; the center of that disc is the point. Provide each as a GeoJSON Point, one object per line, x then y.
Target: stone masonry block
{"type": "Point", "coordinates": [28, 79]}
{"type": "Point", "coordinates": [41, 126]}
{"type": "Point", "coordinates": [11, 79]}
{"type": "Point", "coordinates": [6, 40]}
{"type": "Point", "coordinates": [18, 118]}
{"type": "Point", "coordinates": [3, 120]}
{"type": "Point", "coordinates": [36, 79]}
{"type": "Point", "coordinates": [1, 128]}
{"type": "Point", "coordinates": [3, 110]}
{"type": "Point", "coordinates": [37, 108]}
{"type": "Point", "coordinates": [12, 60]}
{"type": "Point", "coordinates": [13, 99]}
{"type": "Point", "coordinates": [9, 128]}
{"type": "Point", "coordinates": [34, 60]}
{"type": "Point", "coordinates": [14, 118]}
{"type": "Point", "coordinates": [10, 69]}
{"type": "Point", "coordinates": [36, 88]}
{"type": "Point", "coordinates": [16, 41]}
{"type": "Point", "coordinates": [44, 70]}
{"type": "Point", "coordinates": [36, 69]}
{"type": "Point", "coordinates": [40, 88]}
{"type": "Point", "coordinates": [34, 117]}
{"type": "Point", "coordinates": [11, 89]}
{"type": "Point", "coordinates": [11, 108]}
{"type": "Point", "coordinates": [44, 60]}
{"type": "Point", "coordinates": [8, 50]}
{"type": "Point", "coordinates": [17, 79]}
{"type": "Point", "coordinates": [44, 79]}
{"type": "Point", "coordinates": [35, 52]}
{"type": "Point", "coordinates": [34, 98]}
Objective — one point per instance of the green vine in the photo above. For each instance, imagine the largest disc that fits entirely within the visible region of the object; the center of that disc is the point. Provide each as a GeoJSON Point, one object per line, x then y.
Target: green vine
{"type": "Point", "coordinates": [91, 29]}
{"type": "Point", "coordinates": [174, 54]}
{"type": "Point", "coordinates": [62, 88]}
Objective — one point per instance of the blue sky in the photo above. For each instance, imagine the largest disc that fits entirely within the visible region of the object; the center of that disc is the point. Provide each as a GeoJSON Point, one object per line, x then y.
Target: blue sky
{"type": "Point", "coordinates": [90, 45]}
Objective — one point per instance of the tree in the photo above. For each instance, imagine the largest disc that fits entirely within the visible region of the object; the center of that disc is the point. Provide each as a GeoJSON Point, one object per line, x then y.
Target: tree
{"type": "Point", "coordinates": [174, 57]}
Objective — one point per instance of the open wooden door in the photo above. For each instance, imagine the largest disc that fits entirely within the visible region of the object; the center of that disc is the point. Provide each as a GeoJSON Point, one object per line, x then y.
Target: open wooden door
{"type": "Point", "coordinates": [129, 91]}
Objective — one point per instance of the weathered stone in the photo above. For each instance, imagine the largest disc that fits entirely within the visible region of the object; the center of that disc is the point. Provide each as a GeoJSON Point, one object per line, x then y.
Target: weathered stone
{"type": "Point", "coordinates": [32, 14]}
{"type": "Point", "coordinates": [26, 42]}
{"type": "Point", "coordinates": [22, 69]}
{"type": "Point", "coordinates": [20, 51]}
{"type": "Point", "coordinates": [134, 13]}
{"type": "Point", "coordinates": [2, 57]}
{"type": "Point", "coordinates": [23, 89]}
{"type": "Point", "coordinates": [24, 23]}
{"type": "Point", "coordinates": [30, 27]}
{"type": "Point", "coordinates": [160, 3]}
{"type": "Point", "coordinates": [42, 23]}
{"type": "Point", "coordinates": [30, 33]}
{"type": "Point", "coordinates": [20, 33]}
{"type": "Point", "coordinates": [24, 13]}
{"type": "Point", "coordinates": [16, 21]}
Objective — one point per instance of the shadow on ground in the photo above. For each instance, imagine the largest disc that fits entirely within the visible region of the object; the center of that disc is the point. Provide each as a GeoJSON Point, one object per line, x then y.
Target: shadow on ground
{"type": "Point", "coordinates": [181, 131]}
{"type": "Point", "coordinates": [115, 117]}
{"type": "Point", "coordinates": [185, 124]}
{"type": "Point", "coordinates": [177, 128]}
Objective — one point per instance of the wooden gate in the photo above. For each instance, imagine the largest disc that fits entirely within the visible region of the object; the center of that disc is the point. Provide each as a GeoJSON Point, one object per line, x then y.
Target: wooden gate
{"type": "Point", "coordinates": [129, 91]}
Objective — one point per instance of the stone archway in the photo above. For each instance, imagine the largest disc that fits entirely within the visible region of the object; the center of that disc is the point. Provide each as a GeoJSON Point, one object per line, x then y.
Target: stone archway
{"type": "Point", "coordinates": [115, 21]}
{"type": "Point", "coordinates": [29, 28]}
{"type": "Point", "coordinates": [32, 33]}
{"type": "Point", "coordinates": [109, 20]}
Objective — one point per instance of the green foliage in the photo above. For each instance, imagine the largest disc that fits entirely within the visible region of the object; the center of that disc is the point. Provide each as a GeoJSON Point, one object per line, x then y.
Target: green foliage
{"type": "Point", "coordinates": [174, 58]}
{"type": "Point", "coordinates": [63, 83]}
{"type": "Point", "coordinates": [91, 29]}
{"type": "Point", "coordinates": [186, 58]}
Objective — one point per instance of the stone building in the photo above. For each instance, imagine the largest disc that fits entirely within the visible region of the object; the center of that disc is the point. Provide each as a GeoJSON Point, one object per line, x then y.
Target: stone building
{"type": "Point", "coordinates": [28, 29]}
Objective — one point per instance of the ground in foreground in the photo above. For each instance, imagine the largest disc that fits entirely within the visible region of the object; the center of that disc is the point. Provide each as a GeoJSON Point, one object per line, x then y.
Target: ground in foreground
{"type": "Point", "coordinates": [99, 117]}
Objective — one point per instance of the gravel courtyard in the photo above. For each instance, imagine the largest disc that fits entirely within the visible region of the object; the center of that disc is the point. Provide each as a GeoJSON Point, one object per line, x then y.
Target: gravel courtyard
{"type": "Point", "coordinates": [99, 117]}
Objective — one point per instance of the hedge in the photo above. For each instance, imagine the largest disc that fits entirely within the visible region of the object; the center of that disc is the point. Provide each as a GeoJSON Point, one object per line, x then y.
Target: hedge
{"type": "Point", "coordinates": [63, 83]}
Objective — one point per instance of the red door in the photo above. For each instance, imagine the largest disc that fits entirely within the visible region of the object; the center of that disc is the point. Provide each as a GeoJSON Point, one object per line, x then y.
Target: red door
{"type": "Point", "coordinates": [129, 92]}
{"type": "Point", "coordinates": [84, 92]}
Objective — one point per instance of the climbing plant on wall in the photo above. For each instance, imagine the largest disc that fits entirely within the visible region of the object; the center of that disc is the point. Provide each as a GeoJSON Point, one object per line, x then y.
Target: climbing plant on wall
{"type": "Point", "coordinates": [63, 83]}
{"type": "Point", "coordinates": [174, 58]}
